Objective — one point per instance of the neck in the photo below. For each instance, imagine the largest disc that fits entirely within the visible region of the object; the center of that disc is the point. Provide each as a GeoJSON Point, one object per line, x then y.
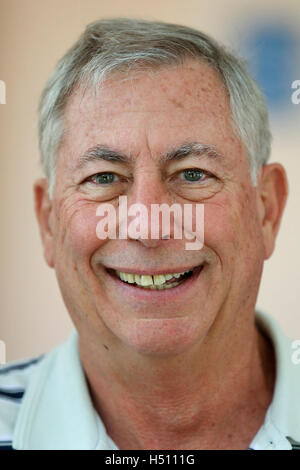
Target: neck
{"type": "Point", "coordinates": [191, 398]}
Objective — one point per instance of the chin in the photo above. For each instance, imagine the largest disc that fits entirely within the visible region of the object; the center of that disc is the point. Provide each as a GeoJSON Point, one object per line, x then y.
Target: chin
{"type": "Point", "coordinates": [163, 336]}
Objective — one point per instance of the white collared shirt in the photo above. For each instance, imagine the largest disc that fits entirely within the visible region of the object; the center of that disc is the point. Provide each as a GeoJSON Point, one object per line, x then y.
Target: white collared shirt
{"type": "Point", "coordinates": [45, 402]}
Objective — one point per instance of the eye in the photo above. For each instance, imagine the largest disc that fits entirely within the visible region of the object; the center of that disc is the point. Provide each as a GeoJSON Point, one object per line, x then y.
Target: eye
{"type": "Point", "coordinates": [104, 178]}
{"type": "Point", "coordinates": [193, 175]}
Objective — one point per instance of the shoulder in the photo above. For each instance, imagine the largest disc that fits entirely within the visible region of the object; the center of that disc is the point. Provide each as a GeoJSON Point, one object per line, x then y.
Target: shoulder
{"type": "Point", "coordinates": [283, 416]}
{"type": "Point", "coordinates": [14, 379]}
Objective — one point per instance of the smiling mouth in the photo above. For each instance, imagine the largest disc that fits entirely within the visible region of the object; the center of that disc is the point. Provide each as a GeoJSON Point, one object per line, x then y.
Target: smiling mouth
{"type": "Point", "coordinates": [155, 281]}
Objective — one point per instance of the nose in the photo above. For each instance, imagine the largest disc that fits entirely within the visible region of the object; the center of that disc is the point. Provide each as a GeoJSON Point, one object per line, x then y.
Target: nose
{"type": "Point", "coordinates": [148, 198]}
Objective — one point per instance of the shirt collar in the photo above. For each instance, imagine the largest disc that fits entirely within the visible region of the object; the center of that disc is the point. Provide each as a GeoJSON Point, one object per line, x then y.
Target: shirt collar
{"type": "Point", "coordinates": [282, 421]}
{"type": "Point", "coordinates": [57, 411]}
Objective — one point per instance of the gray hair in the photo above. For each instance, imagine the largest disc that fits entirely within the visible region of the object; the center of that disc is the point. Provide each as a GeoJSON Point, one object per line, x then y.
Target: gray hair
{"type": "Point", "coordinates": [121, 45]}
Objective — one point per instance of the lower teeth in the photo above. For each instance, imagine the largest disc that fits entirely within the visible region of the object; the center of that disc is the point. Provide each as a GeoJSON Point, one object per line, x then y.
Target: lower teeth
{"type": "Point", "coordinates": [162, 287]}
{"type": "Point", "coordinates": [154, 287]}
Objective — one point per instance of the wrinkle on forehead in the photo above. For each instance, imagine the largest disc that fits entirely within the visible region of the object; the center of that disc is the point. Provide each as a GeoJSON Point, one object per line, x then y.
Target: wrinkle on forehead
{"type": "Point", "coordinates": [169, 100]}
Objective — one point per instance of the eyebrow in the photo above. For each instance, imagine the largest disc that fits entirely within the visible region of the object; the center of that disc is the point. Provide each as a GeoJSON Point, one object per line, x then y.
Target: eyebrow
{"type": "Point", "coordinates": [190, 148]}
{"type": "Point", "coordinates": [100, 152]}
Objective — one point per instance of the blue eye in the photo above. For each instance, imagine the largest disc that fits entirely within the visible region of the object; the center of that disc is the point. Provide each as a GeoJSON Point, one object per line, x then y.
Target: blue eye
{"type": "Point", "coordinates": [103, 178]}
{"type": "Point", "coordinates": [193, 174]}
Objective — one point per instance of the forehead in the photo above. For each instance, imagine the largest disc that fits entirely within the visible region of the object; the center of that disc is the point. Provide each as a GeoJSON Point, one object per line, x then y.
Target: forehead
{"type": "Point", "coordinates": [158, 108]}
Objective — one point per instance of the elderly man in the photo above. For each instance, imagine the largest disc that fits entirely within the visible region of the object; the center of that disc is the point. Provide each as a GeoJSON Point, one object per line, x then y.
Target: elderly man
{"type": "Point", "coordinates": [167, 350]}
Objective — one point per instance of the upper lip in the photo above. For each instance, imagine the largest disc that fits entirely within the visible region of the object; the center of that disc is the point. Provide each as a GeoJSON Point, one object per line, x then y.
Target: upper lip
{"type": "Point", "coordinates": [153, 271]}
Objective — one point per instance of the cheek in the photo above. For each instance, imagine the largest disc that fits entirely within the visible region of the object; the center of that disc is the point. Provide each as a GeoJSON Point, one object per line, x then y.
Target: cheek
{"type": "Point", "coordinates": [232, 227]}
{"type": "Point", "coordinates": [220, 228]}
{"type": "Point", "coordinates": [78, 236]}
{"type": "Point", "coordinates": [83, 238]}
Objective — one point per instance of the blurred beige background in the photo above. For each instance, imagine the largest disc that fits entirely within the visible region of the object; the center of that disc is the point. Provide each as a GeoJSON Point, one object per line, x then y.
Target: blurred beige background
{"type": "Point", "coordinates": [34, 34]}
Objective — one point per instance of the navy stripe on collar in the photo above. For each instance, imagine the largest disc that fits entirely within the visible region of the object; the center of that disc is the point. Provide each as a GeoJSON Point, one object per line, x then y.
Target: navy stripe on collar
{"type": "Point", "coordinates": [4, 369]}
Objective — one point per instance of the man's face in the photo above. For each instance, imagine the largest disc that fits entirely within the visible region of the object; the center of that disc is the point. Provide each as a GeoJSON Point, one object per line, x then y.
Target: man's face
{"type": "Point", "coordinates": [144, 118]}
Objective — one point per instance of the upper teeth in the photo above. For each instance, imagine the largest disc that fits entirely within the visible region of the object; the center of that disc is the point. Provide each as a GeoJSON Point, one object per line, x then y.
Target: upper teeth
{"type": "Point", "coordinates": [148, 280]}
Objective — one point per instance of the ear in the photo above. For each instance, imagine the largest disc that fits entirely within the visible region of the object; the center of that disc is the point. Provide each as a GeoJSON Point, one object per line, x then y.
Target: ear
{"type": "Point", "coordinates": [44, 214]}
{"type": "Point", "coordinates": [272, 193]}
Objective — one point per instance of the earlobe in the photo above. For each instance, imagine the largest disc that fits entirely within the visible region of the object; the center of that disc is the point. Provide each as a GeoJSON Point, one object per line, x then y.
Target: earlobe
{"type": "Point", "coordinates": [273, 190]}
{"type": "Point", "coordinates": [44, 214]}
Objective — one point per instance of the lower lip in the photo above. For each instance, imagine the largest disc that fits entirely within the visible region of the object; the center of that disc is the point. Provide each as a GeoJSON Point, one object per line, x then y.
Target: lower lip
{"type": "Point", "coordinates": [165, 295]}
